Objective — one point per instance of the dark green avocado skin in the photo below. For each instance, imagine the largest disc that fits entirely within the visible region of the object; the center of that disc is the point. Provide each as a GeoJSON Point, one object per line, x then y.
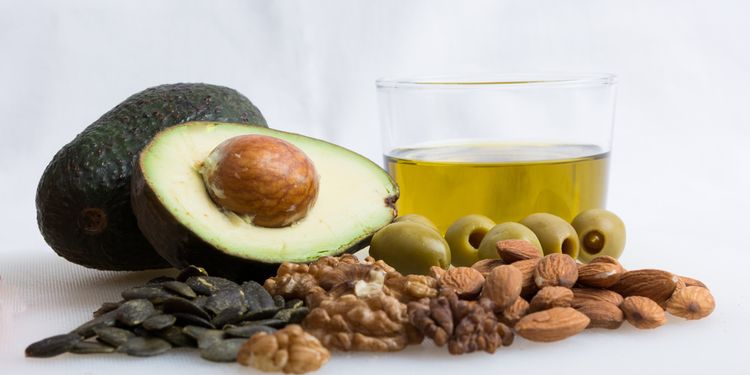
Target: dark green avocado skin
{"type": "Point", "coordinates": [83, 198]}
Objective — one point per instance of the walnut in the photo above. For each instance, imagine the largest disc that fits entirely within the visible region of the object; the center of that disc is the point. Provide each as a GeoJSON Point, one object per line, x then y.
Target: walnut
{"type": "Point", "coordinates": [290, 350]}
{"type": "Point", "coordinates": [466, 326]}
{"type": "Point", "coordinates": [349, 323]}
{"type": "Point", "coordinates": [292, 281]}
{"type": "Point", "coordinates": [410, 287]}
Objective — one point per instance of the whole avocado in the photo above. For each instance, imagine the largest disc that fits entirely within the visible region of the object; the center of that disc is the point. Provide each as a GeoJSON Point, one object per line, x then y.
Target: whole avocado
{"type": "Point", "coordinates": [83, 198]}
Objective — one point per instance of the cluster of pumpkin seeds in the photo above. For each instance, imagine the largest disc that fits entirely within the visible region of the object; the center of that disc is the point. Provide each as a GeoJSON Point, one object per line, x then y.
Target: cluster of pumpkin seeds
{"type": "Point", "coordinates": [213, 314]}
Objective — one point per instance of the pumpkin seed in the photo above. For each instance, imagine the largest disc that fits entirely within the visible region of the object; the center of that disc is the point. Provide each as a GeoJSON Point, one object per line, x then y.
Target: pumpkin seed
{"type": "Point", "coordinates": [176, 337]}
{"type": "Point", "coordinates": [91, 347]}
{"type": "Point", "coordinates": [204, 337]}
{"type": "Point", "coordinates": [189, 319]}
{"type": "Point", "coordinates": [292, 315]}
{"type": "Point", "coordinates": [160, 280]}
{"type": "Point", "coordinates": [190, 271]}
{"type": "Point", "coordinates": [226, 298]}
{"type": "Point", "coordinates": [232, 314]}
{"type": "Point", "coordinates": [145, 346]}
{"type": "Point", "coordinates": [257, 298]}
{"type": "Point", "coordinates": [294, 303]}
{"type": "Point", "coordinates": [107, 319]}
{"type": "Point", "coordinates": [179, 288]}
{"type": "Point", "coordinates": [223, 351]}
{"type": "Point", "coordinates": [275, 323]}
{"type": "Point", "coordinates": [152, 293]}
{"type": "Point", "coordinates": [52, 346]}
{"type": "Point", "coordinates": [159, 321]}
{"type": "Point", "coordinates": [113, 336]}
{"type": "Point", "coordinates": [181, 305]}
{"type": "Point", "coordinates": [209, 285]}
{"type": "Point", "coordinates": [248, 331]}
{"type": "Point", "coordinates": [135, 311]}
{"type": "Point", "coordinates": [107, 307]}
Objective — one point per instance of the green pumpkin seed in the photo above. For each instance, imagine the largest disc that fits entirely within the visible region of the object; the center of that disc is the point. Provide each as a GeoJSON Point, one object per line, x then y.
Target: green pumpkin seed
{"type": "Point", "coordinates": [292, 315]}
{"type": "Point", "coordinates": [159, 280]}
{"type": "Point", "coordinates": [176, 337]}
{"type": "Point", "coordinates": [190, 271]}
{"type": "Point", "coordinates": [52, 346]}
{"type": "Point", "coordinates": [152, 293]}
{"type": "Point", "coordinates": [107, 319]}
{"type": "Point", "coordinates": [294, 303]}
{"type": "Point", "coordinates": [107, 307]}
{"type": "Point", "coordinates": [135, 311]}
{"type": "Point", "coordinates": [189, 319]}
{"type": "Point", "coordinates": [91, 347]}
{"type": "Point", "coordinates": [159, 321]}
{"type": "Point", "coordinates": [223, 351]}
{"type": "Point", "coordinates": [113, 336]}
{"type": "Point", "coordinates": [204, 337]}
{"type": "Point", "coordinates": [145, 346]}
{"type": "Point", "coordinates": [181, 305]}
{"type": "Point", "coordinates": [208, 285]}
{"type": "Point", "coordinates": [248, 331]}
{"type": "Point", "coordinates": [275, 323]}
{"type": "Point", "coordinates": [257, 298]}
{"type": "Point", "coordinates": [179, 288]}
{"type": "Point", "coordinates": [224, 299]}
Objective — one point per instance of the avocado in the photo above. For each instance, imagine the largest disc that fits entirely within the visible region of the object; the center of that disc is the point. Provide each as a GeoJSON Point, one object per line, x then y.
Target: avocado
{"type": "Point", "coordinates": [83, 198]}
{"type": "Point", "coordinates": [176, 212]}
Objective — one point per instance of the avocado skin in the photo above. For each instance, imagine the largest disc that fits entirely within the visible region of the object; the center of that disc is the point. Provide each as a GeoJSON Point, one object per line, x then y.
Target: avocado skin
{"type": "Point", "coordinates": [83, 197]}
{"type": "Point", "coordinates": [181, 247]}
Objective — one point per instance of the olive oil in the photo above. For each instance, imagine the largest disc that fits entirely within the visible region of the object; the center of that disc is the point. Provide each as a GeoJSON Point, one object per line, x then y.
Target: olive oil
{"type": "Point", "coordinates": [505, 182]}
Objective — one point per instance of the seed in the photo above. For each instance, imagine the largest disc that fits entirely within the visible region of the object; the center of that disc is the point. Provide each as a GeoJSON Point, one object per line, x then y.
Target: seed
{"type": "Point", "coordinates": [223, 351]}
{"type": "Point", "coordinates": [292, 316]}
{"type": "Point", "coordinates": [294, 303]}
{"type": "Point", "coordinates": [179, 288]}
{"type": "Point", "coordinates": [257, 298]}
{"type": "Point", "coordinates": [248, 331]}
{"type": "Point", "coordinates": [204, 337]}
{"type": "Point", "coordinates": [145, 346]}
{"type": "Point", "coordinates": [232, 314]}
{"type": "Point", "coordinates": [190, 271]}
{"type": "Point", "coordinates": [113, 336]}
{"type": "Point", "coordinates": [188, 319]}
{"type": "Point", "coordinates": [160, 321]}
{"type": "Point", "coordinates": [275, 323]}
{"type": "Point", "coordinates": [52, 346]}
{"type": "Point", "coordinates": [160, 280]}
{"type": "Point", "coordinates": [134, 312]}
{"type": "Point", "coordinates": [181, 305]}
{"type": "Point", "coordinates": [226, 298]}
{"type": "Point", "coordinates": [107, 307]}
{"type": "Point", "coordinates": [209, 285]}
{"type": "Point", "coordinates": [91, 347]}
{"type": "Point", "coordinates": [152, 293]}
{"type": "Point", "coordinates": [107, 319]}
{"type": "Point", "coordinates": [176, 337]}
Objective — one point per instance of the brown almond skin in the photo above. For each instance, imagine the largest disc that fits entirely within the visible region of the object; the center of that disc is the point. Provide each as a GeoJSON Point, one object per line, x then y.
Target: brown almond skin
{"type": "Point", "coordinates": [689, 281]}
{"type": "Point", "coordinates": [527, 268]}
{"type": "Point", "coordinates": [581, 295]}
{"type": "Point", "coordinates": [599, 275]}
{"type": "Point", "coordinates": [502, 286]}
{"type": "Point", "coordinates": [549, 297]}
{"type": "Point", "coordinates": [556, 270]}
{"type": "Point", "coordinates": [511, 251]}
{"type": "Point", "coordinates": [551, 325]}
{"type": "Point", "coordinates": [465, 281]}
{"type": "Point", "coordinates": [513, 313]}
{"type": "Point", "coordinates": [643, 312]}
{"type": "Point", "coordinates": [484, 266]}
{"type": "Point", "coordinates": [691, 303]}
{"type": "Point", "coordinates": [657, 285]}
{"type": "Point", "coordinates": [602, 314]}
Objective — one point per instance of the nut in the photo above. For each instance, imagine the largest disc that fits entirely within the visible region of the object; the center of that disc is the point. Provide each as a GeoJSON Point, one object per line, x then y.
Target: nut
{"type": "Point", "coordinates": [549, 297]}
{"type": "Point", "coordinates": [513, 313]}
{"type": "Point", "coordinates": [466, 282]}
{"type": "Point", "coordinates": [599, 274]}
{"type": "Point", "coordinates": [550, 325]}
{"type": "Point", "coordinates": [689, 281]}
{"type": "Point", "coordinates": [655, 284]}
{"type": "Point", "coordinates": [606, 259]}
{"type": "Point", "coordinates": [410, 287]}
{"type": "Point", "coordinates": [691, 302]}
{"type": "Point", "coordinates": [602, 314]}
{"type": "Point", "coordinates": [503, 286]}
{"type": "Point", "coordinates": [556, 270]}
{"type": "Point", "coordinates": [514, 250]}
{"type": "Point", "coordinates": [290, 350]}
{"type": "Point", "coordinates": [267, 178]}
{"type": "Point", "coordinates": [484, 266]}
{"type": "Point", "coordinates": [643, 312]}
{"type": "Point", "coordinates": [582, 295]}
{"type": "Point", "coordinates": [527, 268]}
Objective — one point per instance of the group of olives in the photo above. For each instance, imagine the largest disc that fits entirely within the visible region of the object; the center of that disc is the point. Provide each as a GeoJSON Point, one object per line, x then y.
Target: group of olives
{"type": "Point", "coordinates": [412, 243]}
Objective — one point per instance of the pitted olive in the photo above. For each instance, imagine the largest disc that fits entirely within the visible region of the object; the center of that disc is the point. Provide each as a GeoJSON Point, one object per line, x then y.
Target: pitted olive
{"type": "Point", "coordinates": [410, 248]}
{"type": "Point", "coordinates": [464, 237]}
{"type": "Point", "coordinates": [555, 234]}
{"type": "Point", "coordinates": [505, 231]}
{"type": "Point", "coordinates": [414, 218]}
{"type": "Point", "coordinates": [600, 232]}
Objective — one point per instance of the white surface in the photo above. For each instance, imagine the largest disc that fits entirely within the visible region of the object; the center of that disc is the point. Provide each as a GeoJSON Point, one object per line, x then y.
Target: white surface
{"type": "Point", "coordinates": [679, 174]}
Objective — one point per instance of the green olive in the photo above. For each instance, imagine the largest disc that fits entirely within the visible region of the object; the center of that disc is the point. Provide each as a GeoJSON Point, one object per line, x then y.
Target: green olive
{"type": "Point", "coordinates": [414, 218]}
{"type": "Point", "coordinates": [555, 234]}
{"type": "Point", "coordinates": [410, 248]}
{"type": "Point", "coordinates": [505, 231]}
{"type": "Point", "coordinates": [464, 237]}
{"type": "Point", "coordinates": [601, 232]}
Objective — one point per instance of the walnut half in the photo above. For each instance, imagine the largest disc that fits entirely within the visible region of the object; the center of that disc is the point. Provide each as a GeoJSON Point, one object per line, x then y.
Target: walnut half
{"type": "Point", "coordinates": [290, 350]}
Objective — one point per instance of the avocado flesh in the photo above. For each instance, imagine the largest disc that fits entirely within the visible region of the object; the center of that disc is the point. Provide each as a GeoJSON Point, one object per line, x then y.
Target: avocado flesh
{"type": "Point", "coordinates": [83, 197]}
{"type": "Point", "coordinates": [355, 199]}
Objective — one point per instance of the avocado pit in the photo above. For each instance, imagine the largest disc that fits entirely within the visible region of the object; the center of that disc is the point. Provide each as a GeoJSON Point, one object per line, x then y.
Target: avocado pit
{"type": "Point", "coordinates": [265, 179]}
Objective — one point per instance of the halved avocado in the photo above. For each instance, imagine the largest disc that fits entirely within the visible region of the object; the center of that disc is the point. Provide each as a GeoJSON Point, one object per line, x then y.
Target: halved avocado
{"type": "Point", "coordinates": [181, 221]}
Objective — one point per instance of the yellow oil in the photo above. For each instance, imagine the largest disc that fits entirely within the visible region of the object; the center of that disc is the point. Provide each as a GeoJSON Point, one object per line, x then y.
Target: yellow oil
{"type": "Point", "coordinates": [505, 182]}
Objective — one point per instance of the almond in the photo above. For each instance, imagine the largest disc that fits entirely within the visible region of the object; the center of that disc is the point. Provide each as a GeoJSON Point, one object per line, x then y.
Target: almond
{"type": "Point", "coordinates": [513, 313]}
{"type": "Point", "coordinates": [691, 302]}
{"type": "Point", "coordinates": [466, 282]}
{"type": "Point", "coordinates": [606, 259]}
{"type": "Point", "coordinates": [484, 266]}
{"type": "Point", "coordinates": [657, 285]}
{"type": "Point", "coordinates": [599, 275]}
{"type": "Point", "coordinates": [582, 295]}
{"type": "Point", "coordinates": [643, 312]}
{"type": "Point", "coordinates": [503, 286]}
{"type": "Point", "coordinates": [549, 297]}
{"type": "Point", "coordinates": [514, 250]}
{"type": "Point", "coordinates": [689, 281]}
{"type": "Point", "coordinates": [527, 268]}
{"type": "Point", "coordinates": [554, 324]}
{"type": "Point", "coordinates": [602, 314]}
{"type": "Point", "coordinates": [556, 270]}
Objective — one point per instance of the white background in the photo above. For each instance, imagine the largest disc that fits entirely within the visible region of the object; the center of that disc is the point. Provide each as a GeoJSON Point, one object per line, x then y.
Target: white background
{"type": "Point", "coordinates": [679, 175]}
